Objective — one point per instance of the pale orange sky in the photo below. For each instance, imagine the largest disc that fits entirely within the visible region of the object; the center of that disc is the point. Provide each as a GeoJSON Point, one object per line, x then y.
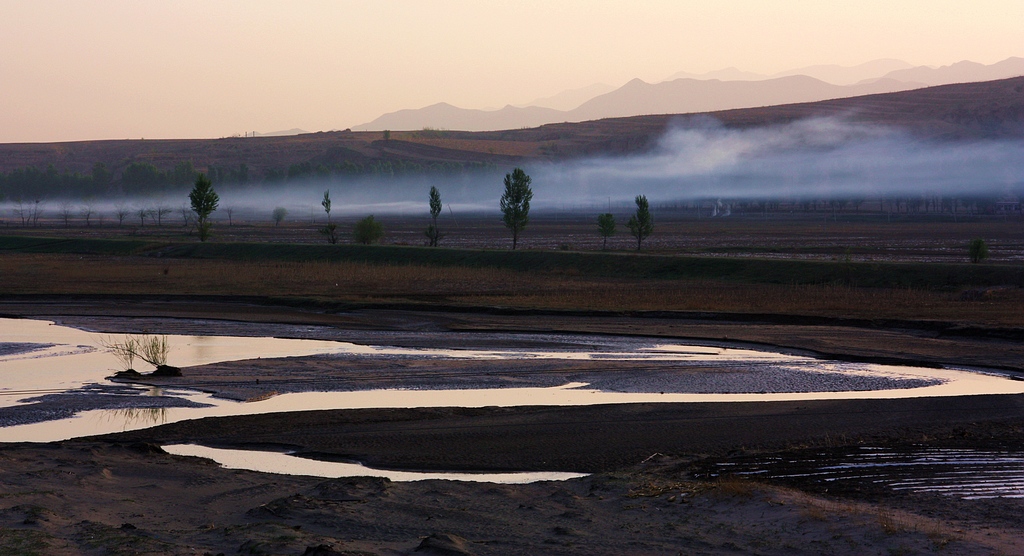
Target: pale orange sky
{"type": "Point", "coordinates": [72, 70]}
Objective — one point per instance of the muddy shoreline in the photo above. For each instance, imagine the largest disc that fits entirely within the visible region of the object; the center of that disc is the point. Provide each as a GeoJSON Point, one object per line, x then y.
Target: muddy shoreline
{"type": "Point", "coordinates": [602, 438]}
{"type": "Point", "coordinates": [120, 493]}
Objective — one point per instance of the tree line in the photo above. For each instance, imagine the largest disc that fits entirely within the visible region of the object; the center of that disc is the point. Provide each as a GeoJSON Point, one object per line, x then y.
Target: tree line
{"type": "Point", "coordinates": [32, 183]}
{"type": "Point", "coordinates": [377, 168]}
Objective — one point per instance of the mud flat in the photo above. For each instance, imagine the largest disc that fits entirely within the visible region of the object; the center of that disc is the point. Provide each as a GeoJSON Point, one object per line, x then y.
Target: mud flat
{"type": "Point", "coordinates": [122, 494]}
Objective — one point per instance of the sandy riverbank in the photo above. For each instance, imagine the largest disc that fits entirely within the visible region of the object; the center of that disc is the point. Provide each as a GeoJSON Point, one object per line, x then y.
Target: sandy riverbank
{"type": "Point", "coordinates": [120, 495]}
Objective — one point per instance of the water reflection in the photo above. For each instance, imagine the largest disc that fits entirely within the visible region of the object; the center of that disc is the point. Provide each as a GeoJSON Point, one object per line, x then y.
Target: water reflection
{"type": "Point", "coordinates": [75, 358]}
{"type": "Point", "coordinates": [130, 418]}
{"type": "Point", "coordinates": [81, 370]}
{"type": "Point", "coordinates": [965, 473]}
{"type": "Point", "coordinates": [287, 464]}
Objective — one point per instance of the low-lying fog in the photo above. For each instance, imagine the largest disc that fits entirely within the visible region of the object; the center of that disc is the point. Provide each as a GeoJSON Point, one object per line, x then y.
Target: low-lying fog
{"type": "Point", "coordinates": [816, 159]}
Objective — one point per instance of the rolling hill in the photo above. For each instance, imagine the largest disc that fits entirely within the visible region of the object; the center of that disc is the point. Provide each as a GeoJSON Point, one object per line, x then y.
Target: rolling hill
{"type": "Point", "coordinates": [637, 98]}
{"type": "Point", "coordinates": [986, 110]}
{"type": "Point", "coordinates": [723, 90]}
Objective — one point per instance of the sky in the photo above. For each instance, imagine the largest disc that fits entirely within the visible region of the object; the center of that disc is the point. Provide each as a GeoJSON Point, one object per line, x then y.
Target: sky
{"type": "Point", "coordinates": [73, 70]}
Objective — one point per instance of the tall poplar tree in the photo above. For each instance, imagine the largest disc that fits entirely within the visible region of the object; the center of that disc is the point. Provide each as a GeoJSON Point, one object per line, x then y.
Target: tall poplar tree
{"type": "Point", "coordinates": [515, 203]}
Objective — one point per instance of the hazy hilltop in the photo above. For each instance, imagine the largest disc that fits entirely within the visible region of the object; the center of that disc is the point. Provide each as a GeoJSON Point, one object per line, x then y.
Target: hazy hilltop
{"type": "Point", "coordinates": [960, 72]}
{"type": "Point", "coordinates": [829, 73]}
{"type": "Point", "coordinates": [281, 133]}
{"type": "Point", "coordinates": [986, 110]}
{"type": "Point", "coordinates": [679, 96]}
{"type": "Point", "coordinates": [445, 116]}
{"type": "Point", "coordinates": [567, 100]}
{"type": "Point", "coordinates": [682, 96]}
{"type": "Point", "coordinates": [684, 93]}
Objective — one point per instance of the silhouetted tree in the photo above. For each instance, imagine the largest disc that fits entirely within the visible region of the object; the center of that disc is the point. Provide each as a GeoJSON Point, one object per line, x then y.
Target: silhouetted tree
{"type": "Point", "coordinates": [65, 211]}
{"type": "Point", "coordinates": [101, 177]}
{"type": "Point", "coordinates": [121, 210]}
{"type": "Point", "coordinates": [640, 224]}
{"type": "Point", "coordinates": [606, 227]}
{"type": "Point", "coordinates": [977, 250]}
{"type": "Point", "coordinates": [433, 234]}
{"type": "Point", "coordinates": [160, 212]}
{"type": "Point", "coordinates": [278, 215]}
{"type": "Point", "coordinates": [515, 203]}
{"type": "Point", "coordinates": [330, 230]}
{"type": "Point", "coordinates": [87, 212]}
{"type": "Point", "coordinates": [204, 201]}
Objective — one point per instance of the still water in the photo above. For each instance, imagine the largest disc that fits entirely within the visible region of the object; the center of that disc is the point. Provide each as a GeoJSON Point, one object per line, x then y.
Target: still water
{"type": "Point", "coordinates": [287, 464]}
{"type": "Point", "coordinates": [963, 473]}
{"type": "Point", "coordinates": [39, 358]}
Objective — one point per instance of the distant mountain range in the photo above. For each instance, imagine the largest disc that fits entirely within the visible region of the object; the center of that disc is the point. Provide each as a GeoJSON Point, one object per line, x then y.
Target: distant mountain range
{"type": "Point", "coordinates": [282, 133]}
{"type": "Point", "coordinates": [690, 93]}
{"type": "Point", "coordinates": [988, 110]}
{"type": "Point", "coordinates": [830, 73]}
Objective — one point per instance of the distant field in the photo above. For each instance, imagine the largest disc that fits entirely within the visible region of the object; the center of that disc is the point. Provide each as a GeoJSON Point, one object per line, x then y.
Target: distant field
{"type": "Point", "coordinates": [851, 236]}
{"type": "Point", "coordinates": [840, 270]}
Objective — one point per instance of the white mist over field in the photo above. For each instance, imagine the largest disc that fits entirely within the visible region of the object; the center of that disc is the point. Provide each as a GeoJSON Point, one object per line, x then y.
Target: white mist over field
{"type": "Point", "coordinates": [817, 159]}
{"type": "Point", "coordinates": [809, 160]}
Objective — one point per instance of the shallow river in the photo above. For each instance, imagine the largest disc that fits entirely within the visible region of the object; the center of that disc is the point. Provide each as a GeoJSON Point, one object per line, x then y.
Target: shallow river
{"type": "Point", "coordinates": [40, 360]}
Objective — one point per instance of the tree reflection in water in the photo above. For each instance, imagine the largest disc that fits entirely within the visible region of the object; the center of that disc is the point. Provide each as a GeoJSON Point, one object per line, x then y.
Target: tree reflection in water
{"type": "Point", "coordinates": [131, 417]}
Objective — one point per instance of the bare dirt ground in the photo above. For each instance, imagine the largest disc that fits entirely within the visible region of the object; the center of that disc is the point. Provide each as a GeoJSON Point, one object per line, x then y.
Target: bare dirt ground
{"type": "Point", "coordinates": [121, 495]}
{"type": "Point", "coordinates": [102, 498]}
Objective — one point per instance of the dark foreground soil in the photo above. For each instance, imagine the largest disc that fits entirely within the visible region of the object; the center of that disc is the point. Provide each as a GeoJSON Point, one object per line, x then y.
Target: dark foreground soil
{"type": "Point", "coordinates": [122, 495]}
{"type": "Point", "coordinates": [602, 438]}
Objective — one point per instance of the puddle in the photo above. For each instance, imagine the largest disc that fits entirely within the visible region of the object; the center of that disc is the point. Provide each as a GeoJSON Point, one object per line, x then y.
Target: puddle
{"type": "Point", "coordinates": [287, 464]}
{"type": "Point", "coordinates": [963, 473]}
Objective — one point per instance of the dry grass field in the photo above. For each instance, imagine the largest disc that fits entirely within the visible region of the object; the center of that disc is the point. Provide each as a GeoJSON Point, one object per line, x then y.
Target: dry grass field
{"type": "Point", "coordinates": [562, 286]}
{"type": "Point", "coordinates": [365, 283]}
{"type": "Point", "coordinates": [862, 236]}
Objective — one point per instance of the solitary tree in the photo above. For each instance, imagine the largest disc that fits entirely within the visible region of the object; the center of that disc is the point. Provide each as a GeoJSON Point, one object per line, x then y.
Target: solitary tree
{"type": "Point", "coordinates": [515, 203]}
{"type": "Point", "coordinates": [606, 227]}
{"type": "Point", "coordinates": [204, 201]}
{"type": "Point", "coordinates": [640, 224]}
{"type": "Point", "coordinates": [65, 211]}
{"type": "Point", "coordinates": [433, 234]}
{"type": "Point", "coordinates": [101, 176]}
{"type": "Point", "coordinates": [368, 231]}
{"type": "Point", "coordinates": [122, 211]}
{"type": "Point", "coordinates": [160, 212]}
{"type": "Point", "coordinates": [978, 251]}
{"type": "Point", "coordinates": [330, 230]}
{"type": "Point", "coordinates": [87, 211]}
{"type": "Point", "coordinates": [188, 218]}
{"type": "Point", "coordinates": [278, 215]}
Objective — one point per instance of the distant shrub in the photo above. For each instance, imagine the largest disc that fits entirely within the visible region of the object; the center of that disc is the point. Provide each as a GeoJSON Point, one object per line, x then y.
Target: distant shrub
{"type": "Point", "coordinates": [279, 214]}
{"type": "Point", "coordinates": [606, 227]}
{"type": "Point", "coordinates": [368, 231]}
{"type": "Point", "coordinates": [977, 250]}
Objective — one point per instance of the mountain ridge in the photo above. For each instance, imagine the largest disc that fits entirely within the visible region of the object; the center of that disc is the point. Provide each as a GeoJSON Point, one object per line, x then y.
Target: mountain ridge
{"type": "Point", "coordinates": [690, 95]}
{"type": "Point", "coordinates": [974, 111]}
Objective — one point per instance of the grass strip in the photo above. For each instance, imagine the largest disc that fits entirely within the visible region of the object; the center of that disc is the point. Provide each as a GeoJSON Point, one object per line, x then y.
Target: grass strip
{"type": "Point", "coordinates": [923, 275]}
